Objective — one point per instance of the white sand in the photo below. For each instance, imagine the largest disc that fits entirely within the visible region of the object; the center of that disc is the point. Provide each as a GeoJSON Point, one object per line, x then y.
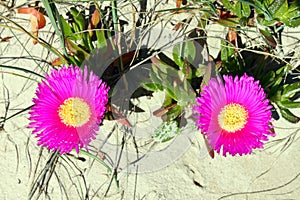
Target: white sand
{"type": "Point", "coordinates": [267, 174]}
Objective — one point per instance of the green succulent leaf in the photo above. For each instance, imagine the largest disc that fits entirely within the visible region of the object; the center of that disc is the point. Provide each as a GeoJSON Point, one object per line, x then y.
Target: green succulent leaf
{"type": "Point", "coordinates": [68, 30]}
{"type": "Point", "coordinates": [290, 90]}
{"type": "Point", "coordinates": [78, 51]}
{"type": "Point", "coordinates": [183, 52]}
{"type": "Point", "coordinates": [200, 71]}
{"type": "Point", "coordinates": [101, 40]}
{"type": "Point", "coordinates": [174, 112]}
{"type": "Point", "coordinates": [290, 104]}
{"type": "Point", "coordinates": [273, 11]}
{"type": "Point", "coordinates": [230, 22]}
{"type": "Point", "coordinates": [227, 4]}
{"type": "Point", "coordinates": [288, 115]}
{"type": "Point", "coordinates": [268, 79]}
{"type": "Point", "coordinates": [291, 17]}
{"type": "Point", "coordinates": [151, 86]}
{"type": "Point", "coordinates": [166, 131]}
{"type": "Point", "coordinates": [278, 81]}
{"type": "Point", "coordinates": [167, 101]}
{"type": "Point", "coordinates": [87, 40]}
{"type": "Point", "coordinates": [227, 50]}
{"type": "Point", "coordinates": [170, 91]}
{"type": "Point", "coordinates": [278, 8]}
{"type": "Point", "coordinates": [246, 10]}
{"type": "Point", "coordinates": [78, 17]}
{"type": "Point", "coordinates": [268, 37]}
{"type": "Point", "coordinates": [241, 10]}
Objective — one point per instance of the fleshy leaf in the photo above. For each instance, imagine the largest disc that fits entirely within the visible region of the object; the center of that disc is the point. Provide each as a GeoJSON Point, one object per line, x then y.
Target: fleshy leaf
{"type": "Point", "coordinates": [166, 131]}
{"type": "Point", "coordinates": [227, 50]}
{"type": "Point", "coordinates": [78, 17]}
{"type": "Point", "coordinates": [57, 62]}
{"type": "Point", "coordinates": [290, 90]}
{"type": "Point", "coordinates": [278, 8]}
{"type": "Point", "coordinates": [289, 116]}
{"type": "Point", "coordinates": [41, 21]}
{"type": "Point", "coordinates": [290, 104]}
{"type": "Point", "coordinates": [268, 37]}
{"type": "Point", "coordinates": [95, 18]}
{"type": "Point", "coordinates": [184, 52]}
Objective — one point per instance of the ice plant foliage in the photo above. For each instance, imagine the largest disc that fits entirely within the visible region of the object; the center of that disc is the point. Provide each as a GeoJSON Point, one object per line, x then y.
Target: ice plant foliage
{"type": "Point", "coordinates": [234, 115]}
{"type": "Point", "coordinates": [166, 131]}
{"type": "Point", "coordinates": [68, 109]}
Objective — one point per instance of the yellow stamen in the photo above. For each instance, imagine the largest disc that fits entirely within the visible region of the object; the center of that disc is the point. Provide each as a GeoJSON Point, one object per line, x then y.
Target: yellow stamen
{"type": "Point", "coordinates": [74, 112]}
{"type": "Point", "coordinates": [233, 117]}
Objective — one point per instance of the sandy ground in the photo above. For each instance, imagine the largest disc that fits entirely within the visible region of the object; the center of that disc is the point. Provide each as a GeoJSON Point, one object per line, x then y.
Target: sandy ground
{"type": "Point", "coordinates": [271, 173]}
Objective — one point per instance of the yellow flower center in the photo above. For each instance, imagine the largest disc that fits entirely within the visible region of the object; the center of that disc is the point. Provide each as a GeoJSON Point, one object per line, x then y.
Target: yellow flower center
{"type": "Point", "coordinates": [74, 112]}
{"type": "Point", "coordinates": [233, 117]}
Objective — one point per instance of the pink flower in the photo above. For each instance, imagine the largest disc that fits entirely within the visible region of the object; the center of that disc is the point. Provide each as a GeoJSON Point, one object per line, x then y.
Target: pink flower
{"type": "Point", "coordinates": [235, 115]}
{"type": "Point", "coordinates": [69, 108]}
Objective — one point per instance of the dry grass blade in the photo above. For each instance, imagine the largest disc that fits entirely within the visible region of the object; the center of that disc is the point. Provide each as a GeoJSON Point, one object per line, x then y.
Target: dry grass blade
{"type": "Point", "coordinates": [262, 191]}
{"type": "Point", "coordinates": [6, 104]}
{"type": "Point", "coordinates": [40, 185]}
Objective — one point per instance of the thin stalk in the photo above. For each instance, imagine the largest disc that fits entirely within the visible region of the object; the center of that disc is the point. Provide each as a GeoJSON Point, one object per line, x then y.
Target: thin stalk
{"type": "Point", "coordinates": [102, 163]}
{"type": "Point", "coordinates": [118, 39]}
{"type": "Point", "coordinates": [56, 22]}
{"type": "Point", "coordinates": [39, 40]}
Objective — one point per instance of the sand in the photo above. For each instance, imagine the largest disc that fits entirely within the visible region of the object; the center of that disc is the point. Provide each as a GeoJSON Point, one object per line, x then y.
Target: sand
{"type": "Point", "coordinates": [189, 173]}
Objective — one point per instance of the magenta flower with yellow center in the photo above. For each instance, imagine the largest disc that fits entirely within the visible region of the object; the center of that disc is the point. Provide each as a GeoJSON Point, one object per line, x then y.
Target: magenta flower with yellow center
{"type": "Point", "coordinates": [68, 109]}
{"type": "Point", "coordinates": [234, 114]}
